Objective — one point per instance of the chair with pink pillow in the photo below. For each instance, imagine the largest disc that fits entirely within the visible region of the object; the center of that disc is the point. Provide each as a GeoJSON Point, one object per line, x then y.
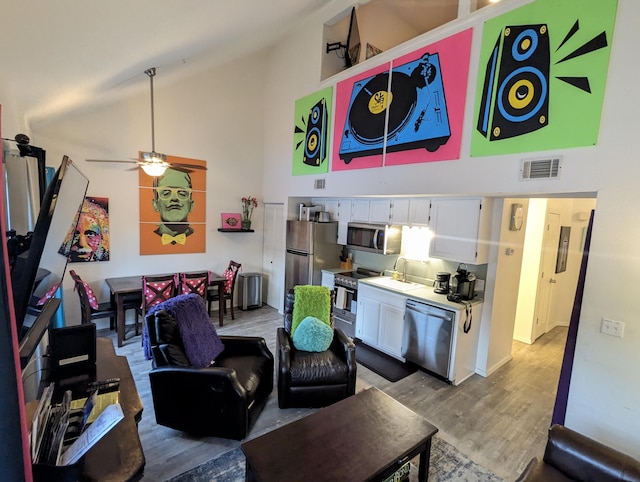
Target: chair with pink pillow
{"type": "Point", "coordinates": [231, 273]}
{"type": "Point", "coordinates": [91, 309]}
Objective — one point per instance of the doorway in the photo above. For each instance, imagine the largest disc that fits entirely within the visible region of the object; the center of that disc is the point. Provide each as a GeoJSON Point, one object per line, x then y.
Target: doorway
{"type": "Point", "coordinates": [273, 255]}
{"type": "Point", "coordinates": [544, 297]}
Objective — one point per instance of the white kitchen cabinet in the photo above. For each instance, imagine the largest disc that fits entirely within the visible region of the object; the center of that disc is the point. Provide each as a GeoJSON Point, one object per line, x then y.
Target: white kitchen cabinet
{"type": "Point", "coordinates": [419, 211]}
{"type": "Point", "coordinates": [344, 210]}
{"type": "Point", "coordinates": [380, 319]}
{"type": "Point", "coordinates": [380, 211]}
{"type": "Point", "coordinates": [460, 229]}
{"type": "Point", "coordinates": [332, 206]}
{"type": "Point", "coordinates": [400, 211]}
{"type": "Point", "coordinates": [360, 210]}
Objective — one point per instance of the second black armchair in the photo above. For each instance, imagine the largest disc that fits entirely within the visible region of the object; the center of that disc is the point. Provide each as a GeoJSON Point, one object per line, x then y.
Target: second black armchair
{"type": "Point", "coordinates": [313, 379]}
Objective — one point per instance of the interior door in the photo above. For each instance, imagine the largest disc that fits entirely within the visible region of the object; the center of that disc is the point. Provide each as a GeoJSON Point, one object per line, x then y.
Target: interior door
{"type": "Point", "coordinates": [546, 280]}
{"type": "Point", "coordinates": [273, 255]}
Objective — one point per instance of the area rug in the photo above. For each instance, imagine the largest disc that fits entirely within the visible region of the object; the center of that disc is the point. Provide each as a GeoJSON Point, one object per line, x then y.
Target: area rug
{"type": "Point", "coordinates": [447, 464]}
{"type": "Point", "coordinates": [384, 365]}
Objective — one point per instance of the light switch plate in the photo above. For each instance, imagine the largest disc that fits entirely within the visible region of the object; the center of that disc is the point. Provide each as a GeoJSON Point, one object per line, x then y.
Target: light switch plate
{"type": "Point", "coordinates": [612, 327]}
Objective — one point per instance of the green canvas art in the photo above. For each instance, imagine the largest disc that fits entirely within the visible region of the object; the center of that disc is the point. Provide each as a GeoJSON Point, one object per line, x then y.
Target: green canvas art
{"type": "Point", "coordinates": [312, 127]}
{"type": "Point", "coordinates": [541, 77]}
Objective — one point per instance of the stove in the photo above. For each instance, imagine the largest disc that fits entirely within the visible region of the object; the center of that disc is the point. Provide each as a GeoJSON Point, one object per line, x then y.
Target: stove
{"type": "Point", "coordinates": [349, 279]}
{"type": "Point", "coordinates": [346, 287]}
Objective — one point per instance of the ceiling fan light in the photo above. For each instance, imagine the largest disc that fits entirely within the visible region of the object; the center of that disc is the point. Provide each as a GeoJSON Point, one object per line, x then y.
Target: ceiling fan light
{"type": "Point", "coordinates": [154, 169]}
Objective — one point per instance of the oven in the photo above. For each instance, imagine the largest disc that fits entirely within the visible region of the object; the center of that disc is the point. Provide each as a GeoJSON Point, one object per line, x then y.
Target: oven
{"type": "Point", "coordinates": [346, 298]}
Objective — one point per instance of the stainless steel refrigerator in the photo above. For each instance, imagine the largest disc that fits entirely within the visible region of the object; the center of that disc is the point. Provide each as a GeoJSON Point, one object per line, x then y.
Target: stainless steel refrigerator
{"type": "Point", "coordinates": [311, 247]}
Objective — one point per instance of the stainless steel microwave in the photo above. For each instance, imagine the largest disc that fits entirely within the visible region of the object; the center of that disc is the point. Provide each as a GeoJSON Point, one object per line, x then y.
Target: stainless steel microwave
{"type": "Point", "coordinates": [376, 238]}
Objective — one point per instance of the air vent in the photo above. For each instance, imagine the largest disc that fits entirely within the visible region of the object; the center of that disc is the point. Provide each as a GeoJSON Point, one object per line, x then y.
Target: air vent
{"type": "Point", "coordinates": [540, 169]}
{"type": "Point", "coordinates": [319, 184]}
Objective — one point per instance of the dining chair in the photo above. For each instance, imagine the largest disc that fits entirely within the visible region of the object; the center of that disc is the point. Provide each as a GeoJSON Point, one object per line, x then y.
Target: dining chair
{"type": "Point", "coordinates": [91, 309]}
{"type": "Point", "coordinates": [195, 283]}
{"type": "Point", "coordinates": [231, 273]}
{"type": "Point", "coordinates": [156, 289]}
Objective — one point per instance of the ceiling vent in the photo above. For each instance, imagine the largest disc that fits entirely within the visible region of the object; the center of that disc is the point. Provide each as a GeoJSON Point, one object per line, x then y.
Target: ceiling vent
{"type": "Point", "coordinates": [319, 184]}
{"type": "Point", "coordinates": [540, 169]}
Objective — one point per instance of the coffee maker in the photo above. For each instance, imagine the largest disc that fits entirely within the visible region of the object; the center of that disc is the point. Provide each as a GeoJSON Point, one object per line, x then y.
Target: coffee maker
{"type": "Point", "coordinates": [465, 283]}
{"type": "Point", "coordinates": [441, 283]}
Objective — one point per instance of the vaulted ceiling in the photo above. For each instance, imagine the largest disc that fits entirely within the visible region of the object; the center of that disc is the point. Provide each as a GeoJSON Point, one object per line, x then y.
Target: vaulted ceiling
{"type": "Point", "coordinates": [62, 54]}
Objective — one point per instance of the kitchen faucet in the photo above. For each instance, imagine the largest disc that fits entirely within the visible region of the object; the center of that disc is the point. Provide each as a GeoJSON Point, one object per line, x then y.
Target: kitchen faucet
{"type": "Point", "coordinates": [404, 267]}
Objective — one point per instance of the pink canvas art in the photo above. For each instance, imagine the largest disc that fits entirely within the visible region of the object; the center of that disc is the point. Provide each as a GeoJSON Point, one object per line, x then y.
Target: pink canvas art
{"type": "Point", "coordinates": [231, 221]}
{"type": "Point", "coordinates": [429, 88]}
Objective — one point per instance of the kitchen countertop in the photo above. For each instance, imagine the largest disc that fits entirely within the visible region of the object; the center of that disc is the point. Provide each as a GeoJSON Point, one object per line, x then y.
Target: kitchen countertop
{"type": "Point", "coordinates": [417, 291]}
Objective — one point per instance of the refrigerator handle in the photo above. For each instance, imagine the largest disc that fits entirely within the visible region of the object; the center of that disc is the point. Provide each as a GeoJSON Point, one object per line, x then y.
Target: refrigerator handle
{"type": "Point", "coordinates": [298, 253]}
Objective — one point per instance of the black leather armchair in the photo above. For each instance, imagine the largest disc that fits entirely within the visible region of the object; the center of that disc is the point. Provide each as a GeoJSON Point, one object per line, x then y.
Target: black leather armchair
{"type": "Point", "coordinates": [570, 456]}
{"type": "Point", "coordinates": [221, 401]}
{"type": "Point", "coordinates": [310, 379]}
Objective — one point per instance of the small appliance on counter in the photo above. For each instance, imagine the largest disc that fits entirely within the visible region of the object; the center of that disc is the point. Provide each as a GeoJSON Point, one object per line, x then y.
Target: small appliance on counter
{"type": "Point", "coordinates": [308, 213]}
{"type": "Point", "coordinates": [465, 283]}
{"type": "Point", "coordinates": [441, 283]}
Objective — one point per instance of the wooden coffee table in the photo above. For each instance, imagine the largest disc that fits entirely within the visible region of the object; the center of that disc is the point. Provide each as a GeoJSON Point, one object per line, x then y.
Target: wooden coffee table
{"type": "Point", "coordinates": [368, 436]}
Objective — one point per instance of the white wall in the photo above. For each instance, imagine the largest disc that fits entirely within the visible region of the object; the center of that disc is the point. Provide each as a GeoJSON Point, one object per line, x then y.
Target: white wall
{"type": "Point", "coordinates": [603, 402]}
{"type": "Point", "coordinates": [215, 115]}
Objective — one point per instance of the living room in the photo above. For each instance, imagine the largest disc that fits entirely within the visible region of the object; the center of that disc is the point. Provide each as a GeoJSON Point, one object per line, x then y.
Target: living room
{"type": "Point", "coordinates": [239, 117]}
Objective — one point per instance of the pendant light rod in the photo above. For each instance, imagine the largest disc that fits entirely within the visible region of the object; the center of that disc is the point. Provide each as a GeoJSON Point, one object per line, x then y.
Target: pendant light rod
{"type": "Point", "coordinates": [151, 73]}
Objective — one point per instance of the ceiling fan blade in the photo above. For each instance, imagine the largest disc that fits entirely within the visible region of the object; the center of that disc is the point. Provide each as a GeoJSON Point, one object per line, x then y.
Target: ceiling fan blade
{"type": "Point", "coordinates": [112, 160]}
{"type": "Point", "coordinates": [187, 166]}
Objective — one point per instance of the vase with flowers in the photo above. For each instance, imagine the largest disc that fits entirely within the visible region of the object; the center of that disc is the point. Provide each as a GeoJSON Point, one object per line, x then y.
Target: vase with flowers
{"type": "Point", "coordinates": [248, 205]}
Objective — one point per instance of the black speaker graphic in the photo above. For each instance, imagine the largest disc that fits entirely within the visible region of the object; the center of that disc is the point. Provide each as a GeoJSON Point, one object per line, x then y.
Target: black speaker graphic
{"type": "Point", "coordinates": [515, 95]}
{"type": "Point", "coordinates": [315, 141]}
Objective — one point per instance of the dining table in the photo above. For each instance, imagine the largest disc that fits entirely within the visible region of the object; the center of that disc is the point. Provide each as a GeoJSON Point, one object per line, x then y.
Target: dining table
{"type": "Point", "coordinates": [123, 286]}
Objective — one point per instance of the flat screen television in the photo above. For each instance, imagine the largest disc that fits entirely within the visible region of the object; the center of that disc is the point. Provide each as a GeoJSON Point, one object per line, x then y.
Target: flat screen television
{"type": "Point", "coordinates": [352, 52]}
{"type": "Point", "coordinates": [39, 270]}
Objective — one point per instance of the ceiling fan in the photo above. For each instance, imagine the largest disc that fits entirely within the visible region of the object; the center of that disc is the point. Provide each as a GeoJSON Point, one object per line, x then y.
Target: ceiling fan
{"type": "Point", "coordinates": [154, 163]}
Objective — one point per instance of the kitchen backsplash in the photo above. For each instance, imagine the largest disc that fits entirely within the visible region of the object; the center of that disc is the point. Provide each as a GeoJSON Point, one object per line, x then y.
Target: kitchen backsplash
{"type": "Point", "coordinates": [422, 271]}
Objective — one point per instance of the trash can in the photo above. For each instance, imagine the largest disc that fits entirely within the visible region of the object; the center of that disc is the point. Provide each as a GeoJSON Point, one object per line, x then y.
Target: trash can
{"type": "Point", "coordinates": [249, 291]}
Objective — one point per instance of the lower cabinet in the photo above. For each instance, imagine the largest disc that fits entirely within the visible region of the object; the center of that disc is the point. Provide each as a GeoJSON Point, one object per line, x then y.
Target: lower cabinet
{"type": "Point", "coordinates": [380, 319]}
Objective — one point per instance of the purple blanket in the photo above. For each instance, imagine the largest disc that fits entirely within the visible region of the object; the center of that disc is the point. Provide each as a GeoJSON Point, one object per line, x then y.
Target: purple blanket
{"type": "Point", "coordinates": [199, 336]}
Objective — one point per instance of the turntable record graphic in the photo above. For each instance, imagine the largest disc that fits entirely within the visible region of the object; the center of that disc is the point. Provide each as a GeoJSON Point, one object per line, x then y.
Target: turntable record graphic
{"type": "Point", "coordinates": [417, 113]}
{"type": "Point", "coordinates": [368, 107]}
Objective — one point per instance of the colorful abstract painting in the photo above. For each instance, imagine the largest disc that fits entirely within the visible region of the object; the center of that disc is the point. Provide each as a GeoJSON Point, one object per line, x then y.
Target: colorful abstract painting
{"type": "Point", "coordinates": [311, 133]}
{"type": "Point", "coordinates": [173, 210]}
{"type": "Point", "coordinates": [89, 241]}
{"type": "Point", "coordinates": [542, 76]}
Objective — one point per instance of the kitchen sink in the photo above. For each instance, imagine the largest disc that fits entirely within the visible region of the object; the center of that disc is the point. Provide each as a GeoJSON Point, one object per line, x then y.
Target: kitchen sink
{"type": "Point", "coordinates": [395, 284]}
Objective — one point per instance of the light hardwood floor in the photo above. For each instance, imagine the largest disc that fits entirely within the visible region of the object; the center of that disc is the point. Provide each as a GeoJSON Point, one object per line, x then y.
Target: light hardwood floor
{"type": "Point", "coordinates": [499, 421]}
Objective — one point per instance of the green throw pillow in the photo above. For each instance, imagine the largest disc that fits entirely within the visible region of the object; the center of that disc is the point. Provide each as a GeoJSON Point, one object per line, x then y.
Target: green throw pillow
{"type": "Point", "coordinates": [313, 335]}
{"type": "Point", "coordinates": [310, 301]}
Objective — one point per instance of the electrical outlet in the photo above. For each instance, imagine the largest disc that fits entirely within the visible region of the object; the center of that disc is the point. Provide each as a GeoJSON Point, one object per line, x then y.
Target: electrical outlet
{"type": "Point", "coordinates": [612, 327]}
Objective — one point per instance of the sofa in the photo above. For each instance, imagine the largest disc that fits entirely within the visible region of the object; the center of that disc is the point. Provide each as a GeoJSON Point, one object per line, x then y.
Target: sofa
{"type": "Point", "coordinates": [572, 456]}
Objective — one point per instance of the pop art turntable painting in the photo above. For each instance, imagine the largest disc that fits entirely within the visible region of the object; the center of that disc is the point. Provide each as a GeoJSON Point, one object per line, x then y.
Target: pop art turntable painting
{"type": "Point", "coordinates": [411, 112]}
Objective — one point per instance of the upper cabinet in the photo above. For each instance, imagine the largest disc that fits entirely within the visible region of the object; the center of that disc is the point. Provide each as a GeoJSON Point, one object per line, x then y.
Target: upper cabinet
{"type": "Point", "coordinates": [380, 211]}
{"type": "Point", "coordinates": [399, 211]}
{"type": "Point", "coordinates": [419, 211]}
{"type": "Point", "coordinates": [360, 210]}
{"type": "Point", "coordinates": [460, 229]}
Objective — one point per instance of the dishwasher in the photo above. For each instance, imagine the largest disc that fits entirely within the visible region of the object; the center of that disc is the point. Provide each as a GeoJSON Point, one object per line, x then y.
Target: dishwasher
{"type": "Point", "coordinates": [428, 336]}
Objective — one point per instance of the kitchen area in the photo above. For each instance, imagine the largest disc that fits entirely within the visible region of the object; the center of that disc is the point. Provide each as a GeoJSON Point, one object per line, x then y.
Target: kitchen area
{"type": "Point", "coordinates": [391, 291]}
